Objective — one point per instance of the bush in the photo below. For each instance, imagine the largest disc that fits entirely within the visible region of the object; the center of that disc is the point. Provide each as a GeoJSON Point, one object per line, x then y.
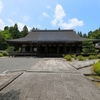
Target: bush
{"type": "Point", "coordinates": [4, 53]}
{"type": "Point", "coordinates": [98, 56]}
{"type": "Point", "coordinates": [10, 49]}
{"type": "Point", "coordinates": [74, 56]}
{"type": "Point", "coordinates": [91, 57]}
{"type": "Point", "coordinates": [68, 57]}
{"type": "Point", "coordinates": [81, 58]}
{"type": "Point", "coordinates": [96, 67]}
{"type": "Point", "coordinates": [1, 55]}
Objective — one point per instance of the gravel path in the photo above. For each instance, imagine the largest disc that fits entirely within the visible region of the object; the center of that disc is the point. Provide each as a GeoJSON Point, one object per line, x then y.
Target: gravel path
{"type": "Point", "coordinates": [17, 63]}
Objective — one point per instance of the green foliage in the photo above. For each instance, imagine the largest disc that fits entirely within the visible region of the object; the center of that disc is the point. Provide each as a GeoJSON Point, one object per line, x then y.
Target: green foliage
{"type": "Point", "coordinates": [14, 31]}
{"type": "Point", "coordinates": [96, 67]}
{"type": "Point", "coordinates": [80, 34]}
{"type": "Point", "coordinates": [1, 55]}
{"type": "Point", "coordinates": [4, 35]}
{"type": "Point", "coordinates": [33, 29]}
{"type": "Point", "coordinates": [10, 49]}
{"type": "Point", "coordinates": [19, 50]}
{"type": "Point", "coordinates": [4, 53]}
{"type": "Point", "coordinates": [81, 58]}
{"type": "Point", "coordinates": [98, 56]}
{"type": "Point", "coordinates": [94, 34]}
{"type": "Point", "coordinates": [88, 47]}
{"type": "Point", "coordinates": [92, 57]}
{"type": "Point", "coordinates": [74, 56]}
{"type": "Point", "coordinates": [85, 35]}
{"type": "Point", "coordinates": [24, 32]}
{"type": "Point", "coordinates": [68, 57]}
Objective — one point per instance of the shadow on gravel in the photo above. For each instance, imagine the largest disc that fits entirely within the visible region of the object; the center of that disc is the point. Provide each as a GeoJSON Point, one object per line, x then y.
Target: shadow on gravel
{"type": "Point", "coordinates": [11, 95]}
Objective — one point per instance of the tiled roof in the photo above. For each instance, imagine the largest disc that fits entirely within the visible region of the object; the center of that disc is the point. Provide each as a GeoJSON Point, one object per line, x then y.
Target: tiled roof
{"type": "Point", "coordinates": [50, 36]}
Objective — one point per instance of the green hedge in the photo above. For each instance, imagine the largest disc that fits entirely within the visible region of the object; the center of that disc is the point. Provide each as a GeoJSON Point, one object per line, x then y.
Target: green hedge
{"type": "Point", "coordinates": [96, 67]}
{"type": "Point", "coordinates": [1, 55]}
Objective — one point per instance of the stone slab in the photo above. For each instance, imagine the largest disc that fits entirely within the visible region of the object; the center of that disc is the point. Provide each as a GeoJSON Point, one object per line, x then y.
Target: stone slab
{"type": "Point", "coordinates": [7, 78]}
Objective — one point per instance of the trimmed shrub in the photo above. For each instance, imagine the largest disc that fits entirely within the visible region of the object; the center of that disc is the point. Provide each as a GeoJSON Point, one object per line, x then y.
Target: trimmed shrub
{"type": "Point", "coordinates": [10, 49]}
{"type": "Point", "coordinates": [74, 56]}
{"type": "Point", "coordinates": [81, 58]}
{"type": "Point", "coordinates": [98, 56]}
{"type": "Point", "coordinates": [4, 53]}
{"type": "Point", "coordinates": [92, 57]}
{"type": "Point", "coordinates": [68, 57]}
{"type": "Point", "coordinates": [96, 67]}
{"type": "Point", "coordinates": [1, 55]}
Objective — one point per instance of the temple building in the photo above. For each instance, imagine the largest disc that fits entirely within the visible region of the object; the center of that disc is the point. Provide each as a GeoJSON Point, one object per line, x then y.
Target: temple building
{"type": "Point", "coordinates": [49, 43]}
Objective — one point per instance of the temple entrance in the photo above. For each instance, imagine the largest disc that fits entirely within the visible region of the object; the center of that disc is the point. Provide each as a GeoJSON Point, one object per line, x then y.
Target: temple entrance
{"type": "Point", "coordinates": [27, 49]}
{"type": "Point", "coordinates": [52, 50]}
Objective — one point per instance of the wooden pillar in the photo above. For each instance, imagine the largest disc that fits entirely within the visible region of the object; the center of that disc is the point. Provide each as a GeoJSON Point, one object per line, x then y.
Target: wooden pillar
{"type": "Point", "coordinates": [58, 48]}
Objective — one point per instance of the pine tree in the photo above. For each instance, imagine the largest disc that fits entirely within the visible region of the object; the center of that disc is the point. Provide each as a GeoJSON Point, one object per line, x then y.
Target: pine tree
{"type": "Point", "coordinates": [88, 47]}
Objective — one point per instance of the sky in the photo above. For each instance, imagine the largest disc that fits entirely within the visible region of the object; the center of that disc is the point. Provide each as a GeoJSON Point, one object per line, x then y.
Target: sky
{"type": "Point", "coordinates": [80, 15]}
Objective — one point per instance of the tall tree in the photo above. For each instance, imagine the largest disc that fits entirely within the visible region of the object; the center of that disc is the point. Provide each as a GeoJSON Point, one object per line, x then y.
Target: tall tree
{"type": "Point", "coordinates": [85, 35]}
{"type": "Point", "coordinates": [59, 28]}
{"type": "Point", "coordinates": [6, 28]}
{"type": "Point", "coordinates": [15, 33]}
{"type": "Point", "coordinates": [79, 33]}
{"type": "Point", "coordinates": [32, 30]}
{"type": "Point", "coordinates": [24, 32]}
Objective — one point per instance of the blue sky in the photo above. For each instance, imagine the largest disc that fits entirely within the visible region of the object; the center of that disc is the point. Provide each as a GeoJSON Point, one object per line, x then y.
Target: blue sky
{"type": "Point", "coordinates": [80, 15]}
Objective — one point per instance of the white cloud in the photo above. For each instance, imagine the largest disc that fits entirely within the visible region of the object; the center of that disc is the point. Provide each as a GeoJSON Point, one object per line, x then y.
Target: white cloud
{"type": "Point", "coordinates": [2, 24]}
{"type": "Point", "coordinates": [45, 14]}
{"type": "Point", "coordinates": [58, 19]}
{"type": "Point", "coordinates": [1, 5]}
{"type": "Point", "coordinates": [71, 23]}
{"type": "Point", "coordinates": [25, 18]}
{"type": "Point", "coordinates": [59, 14]}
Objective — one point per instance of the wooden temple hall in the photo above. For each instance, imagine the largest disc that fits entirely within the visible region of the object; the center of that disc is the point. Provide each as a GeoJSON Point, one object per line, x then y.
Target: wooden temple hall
{"type": "Point", "coordinates": [49, 43]}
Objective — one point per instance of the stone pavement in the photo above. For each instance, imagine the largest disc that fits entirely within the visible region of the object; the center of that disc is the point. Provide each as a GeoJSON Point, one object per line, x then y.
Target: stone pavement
{"type": "Point", "coordinates": [51, 79]}
{"type": "Point", "coordinates": [82, 64]}
{"type": "Point", "coordinates": [7, 77]}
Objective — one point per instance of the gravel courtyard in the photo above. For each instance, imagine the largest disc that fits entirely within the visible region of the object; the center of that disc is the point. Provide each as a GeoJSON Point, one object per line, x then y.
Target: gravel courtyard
{"type": "Point", "coordinates": [17, 63]}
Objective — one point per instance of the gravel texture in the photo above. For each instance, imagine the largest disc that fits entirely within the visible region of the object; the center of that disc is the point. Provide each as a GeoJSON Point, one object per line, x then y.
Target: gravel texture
{"type": "Point", "coordinates": [17, 63]}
